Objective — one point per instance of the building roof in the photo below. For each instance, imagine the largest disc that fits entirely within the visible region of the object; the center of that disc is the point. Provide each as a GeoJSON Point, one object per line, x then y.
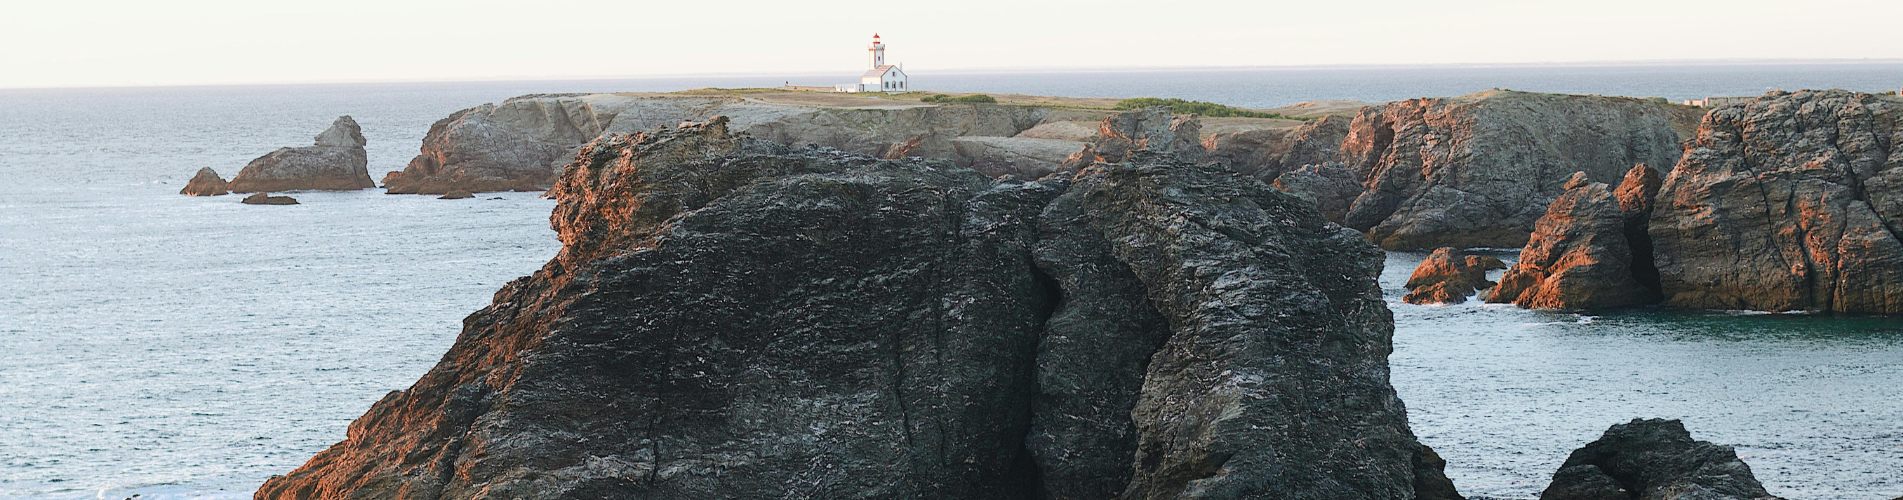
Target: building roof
{"type": "Point", "coordinates": [878, 71]}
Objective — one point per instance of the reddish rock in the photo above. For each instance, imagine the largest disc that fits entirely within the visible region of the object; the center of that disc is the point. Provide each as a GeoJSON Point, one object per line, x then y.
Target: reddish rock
{"type": "Point", "coordinates": [1479, 170]}
{"type": "Point", "coordinates": [1155, 129]}
{"type": "Point", "coordinates": [1581, 254]}
{"type": "Point", "coordinates": [1789, 202]}
{"type": "Point", "coordinates": [206, 183]}
{"type": "Point", "coordinates": [1449, 277]}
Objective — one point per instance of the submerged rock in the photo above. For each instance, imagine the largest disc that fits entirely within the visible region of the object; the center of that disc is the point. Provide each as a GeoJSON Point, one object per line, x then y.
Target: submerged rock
{"type": "Point", "coordinates": [1653, 460]}
{"type": "Point", "coordinates": [267, 199]}
{"type": "Point", "coordinates": [206, 183]}
{"type": "Point", "coordinates": [730, 318]}
{"type": "Point", "coordinates": [1449, 276]}
{"type": "Point", "coordinates": [1588, 251]}
{"type": "Point", "coordinates": [1479, 170]}
{"type": "Point", "coordinates": [335, 162]}
{"type": "Point", "coordinates": [1789, 202]}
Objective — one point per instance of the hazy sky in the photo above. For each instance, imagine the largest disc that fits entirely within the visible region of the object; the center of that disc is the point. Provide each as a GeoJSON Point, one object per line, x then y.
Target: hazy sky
{"type": "Point", "coordinates": [102, 42]}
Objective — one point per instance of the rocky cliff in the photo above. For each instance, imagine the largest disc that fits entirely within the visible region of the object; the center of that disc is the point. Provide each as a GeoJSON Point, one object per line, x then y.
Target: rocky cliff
{"type": "Point", "coordinates": [335, 162]}
{"type": "Point", "coordinates": [1650, 459]}
{"type": "Point", "coordinates": [1789, 202]}
{"type": "Point", "coordinates": [522, 143]}
{"type": "Point", "coordinates": [1590, 250]}
{"type": "Point", "coordinates": [729, 317]}
{"type": "Point", "coordinates": [1478, 170]}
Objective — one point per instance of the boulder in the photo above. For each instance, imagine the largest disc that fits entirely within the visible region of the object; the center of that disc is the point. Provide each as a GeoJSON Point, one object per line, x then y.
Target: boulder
{"type": "Point", "coordinates": [1650, 459]}
{"type": "Point", "coordinates": [1479, 170]}
{"type": "Point", "coordinates": [1790, 202]}
{"type": "Point", "coordinates": [456, 195]}
{"type": "Point", "coordinates": [1588, 252]}
{"type": "Point", "coordinates": [732, 318]}
{"type": "Point", "coordinates": [206, 183]}
{"type": "Point", "coordinates": [267, 199]}
{"type": "Point", "coordinates": [335, 162]}
{"type": "Point", "coordinates": [1449, 276]}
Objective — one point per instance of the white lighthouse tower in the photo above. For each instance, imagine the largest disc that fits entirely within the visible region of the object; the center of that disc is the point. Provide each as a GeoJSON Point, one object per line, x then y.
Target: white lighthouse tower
{"type": "Point", "coordinates": [882, 77]}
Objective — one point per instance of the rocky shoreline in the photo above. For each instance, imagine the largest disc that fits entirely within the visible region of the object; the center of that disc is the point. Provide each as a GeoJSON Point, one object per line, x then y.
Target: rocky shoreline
{"type": "Point", "coordinates": [997, 301]}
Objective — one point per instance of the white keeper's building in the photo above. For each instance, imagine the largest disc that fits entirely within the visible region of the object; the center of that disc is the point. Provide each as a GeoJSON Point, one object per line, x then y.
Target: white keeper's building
{"type": "Point", "coordinates": [881, 77]}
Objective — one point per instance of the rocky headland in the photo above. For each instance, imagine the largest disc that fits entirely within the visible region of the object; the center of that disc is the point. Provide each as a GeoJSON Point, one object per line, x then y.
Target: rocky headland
{"type": "Point", "coordinates": [522, 143]}
{"type": "Point", "coordinates": [1478, 170]}
{"type": "Point", "coordinates": [335, 162]}
{"type": "Point", "coordinates": [732, 317]}
{"type": "Point", "coordinates": [1788, 202]}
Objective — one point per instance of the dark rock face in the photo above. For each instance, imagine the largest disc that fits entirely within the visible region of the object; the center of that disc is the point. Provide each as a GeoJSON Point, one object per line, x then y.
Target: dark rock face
{"type": "Point", "coordinates": [1153, 129]}
{"type": "Point", "coordinates": [1588, 252]}
{"type": "Point", "coordinates": [1478, 170]}
{"type": "Point", "coordinates": [732, 318]}
{"type": "Point", "coordinates": [206, 183]}
{"type": "Point", "coordinates": [1653, 460]}
{"type": "Point", "coordinates": [336, 162]}
{"type": "Point", "coordinates": [1789, 202]}
{"type": "Point", "coordinates": [1449, 276]}
{"type": "Point", "coordinates": [1331, 186]}
{"type": "Point", "coordinates": [267, 199]}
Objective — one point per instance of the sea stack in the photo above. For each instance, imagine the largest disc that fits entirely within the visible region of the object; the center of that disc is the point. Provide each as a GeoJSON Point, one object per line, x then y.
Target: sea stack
{"type": "Point", "coordinates": [1651, 459]}
{"type": "Point", "coordinates": [1590, 250]}
{"type": "Point", "coordinates": [731, 317]}
{"type": "Point", "coordinates": [335, 162]}
{"type": "Point", "coordinates": [206, 183]}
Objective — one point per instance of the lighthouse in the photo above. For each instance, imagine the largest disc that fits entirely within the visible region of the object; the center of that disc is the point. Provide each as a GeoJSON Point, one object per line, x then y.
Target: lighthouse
{"type": "Point", "coordinates": [880, 77]}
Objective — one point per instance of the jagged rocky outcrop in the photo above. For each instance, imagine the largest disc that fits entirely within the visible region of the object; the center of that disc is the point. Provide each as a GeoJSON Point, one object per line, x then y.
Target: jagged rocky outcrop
{"type": "Point", "coordinates": [1449, 276]}
{"type": "Point", "coordinates": [1651, 459]}
{"type": "Point", "coordinates": [1590, 250]}
{"type": "Point", "coordinates": [336, 162]}
{"type": "Point", "coordinates": [522, 143]}
{"type": "Point", "coordinates": [731, 318]}
{"type": "Point", "coordinates": [1154, 129]}
{"type": "Point", "coordinates": [1788, 202]}
{"type": "Point", "coordinates": [1270, 152]}
{"type": "Point", "coordinates": [1478, 170]}
{"type": "Point", "coordinates": [206, 183]}
{"type": "Point", "coordinates": [267, 199]}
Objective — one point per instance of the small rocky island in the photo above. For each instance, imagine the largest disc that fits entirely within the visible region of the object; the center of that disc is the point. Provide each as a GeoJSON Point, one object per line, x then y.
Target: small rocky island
{"type": "Point", "coordinates": [335, 162]}
{"type": "Point", "coordinates": [206, 183]}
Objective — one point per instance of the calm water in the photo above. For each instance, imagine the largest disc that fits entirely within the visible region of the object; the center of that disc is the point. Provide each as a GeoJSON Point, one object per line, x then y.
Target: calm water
{"type": "Point", "coordinates": [176, 347]}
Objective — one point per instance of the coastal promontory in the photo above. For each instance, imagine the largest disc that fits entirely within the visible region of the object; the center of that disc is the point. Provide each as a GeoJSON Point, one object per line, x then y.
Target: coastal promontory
{"type": "Point", "coordinates": [731, 317]}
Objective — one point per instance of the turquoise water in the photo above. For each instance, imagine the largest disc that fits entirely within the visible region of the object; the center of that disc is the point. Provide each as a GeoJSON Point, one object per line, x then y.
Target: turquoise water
{"type": "Point", "coordinates": [168, 346]}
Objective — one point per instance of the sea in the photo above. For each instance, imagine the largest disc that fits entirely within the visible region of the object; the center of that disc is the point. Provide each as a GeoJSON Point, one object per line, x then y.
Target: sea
{"type": "Point", "coordinates": [167, 346]}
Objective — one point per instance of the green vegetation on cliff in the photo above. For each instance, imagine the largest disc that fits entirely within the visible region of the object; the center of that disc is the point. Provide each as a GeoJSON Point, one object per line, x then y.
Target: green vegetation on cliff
{"type": "Point", "coordinates": [1188, 107]}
